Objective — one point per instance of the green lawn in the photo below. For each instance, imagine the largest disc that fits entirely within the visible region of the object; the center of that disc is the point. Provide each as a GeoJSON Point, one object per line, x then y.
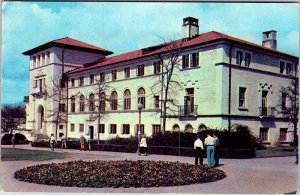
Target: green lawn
{"type": "Point", "coordinates": [275, 152]}
{"type": "Point", "coordinates": [13, 154]}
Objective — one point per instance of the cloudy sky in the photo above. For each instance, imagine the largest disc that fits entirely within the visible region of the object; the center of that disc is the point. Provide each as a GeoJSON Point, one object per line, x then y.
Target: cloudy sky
{"type": "Point", "coordinates": [123, 27]}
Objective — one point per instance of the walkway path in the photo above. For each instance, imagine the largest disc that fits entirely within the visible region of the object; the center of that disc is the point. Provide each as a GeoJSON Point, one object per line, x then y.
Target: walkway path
{"type": "Point", "coordinates": [264, 175]}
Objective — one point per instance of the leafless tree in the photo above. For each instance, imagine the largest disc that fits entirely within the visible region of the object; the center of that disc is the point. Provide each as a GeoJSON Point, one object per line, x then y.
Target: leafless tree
{"type": "Point", "coordinates": [9, 112]}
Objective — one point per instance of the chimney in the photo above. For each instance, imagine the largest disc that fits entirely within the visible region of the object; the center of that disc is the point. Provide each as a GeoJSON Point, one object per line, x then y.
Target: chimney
{"type": "Point", "coordinates": [269, 39]}
{"type": "Point", "coordinates": [190, 27]}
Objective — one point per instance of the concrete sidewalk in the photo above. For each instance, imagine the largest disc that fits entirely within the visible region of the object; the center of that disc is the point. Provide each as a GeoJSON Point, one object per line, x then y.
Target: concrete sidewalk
{"type": "Point", "coordinates": [248, 176]}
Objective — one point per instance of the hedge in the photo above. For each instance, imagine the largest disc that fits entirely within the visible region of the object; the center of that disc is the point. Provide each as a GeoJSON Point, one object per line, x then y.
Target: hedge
{"type": "Point", "coordinates": [19, 139]}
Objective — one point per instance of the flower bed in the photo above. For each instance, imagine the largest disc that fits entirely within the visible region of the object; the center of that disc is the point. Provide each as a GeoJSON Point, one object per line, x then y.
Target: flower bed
{"type": "Point", "coordinates": [125, 173]}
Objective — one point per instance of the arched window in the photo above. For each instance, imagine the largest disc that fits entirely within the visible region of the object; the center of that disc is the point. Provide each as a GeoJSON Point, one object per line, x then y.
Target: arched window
{"type": "Point", "coordinates": [73, 104]}
{"type": "Point", "coordinates": [188, 128]}
{"type": "Point", "coordinates": [127, 100]}
{"type": "Point", "coordinates": [114, 100]}
{"type": "Point", "coordinates": [175, 127]}
{"type": "Point", "coordinates": [92, 103]}
{"type": "Point", "coordinates": [202, 127]}
{"type": "Point", "coordinates": [81, 103]}
{"type": "Point", "coordinates": [141, 97]}
{"type": "Point", "coordinates": [102, 101]}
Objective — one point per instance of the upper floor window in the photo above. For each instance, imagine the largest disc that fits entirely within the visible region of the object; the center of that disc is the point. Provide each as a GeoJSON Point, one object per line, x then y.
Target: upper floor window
{"type": "Point", "coordinates": [247, 59]}
{"type": "Point", "coordinates": [127, 72]}
{"type": "Point", "coordinates": [283, 100]}
{"type": "Point", "coordinates": [43, 59]}
{"type": "Point", "coordinates": [289, 68]}
{"type": "Point", "coordinates": [195, 59]}
{"type": "Point", "coordinates": [239, 57]}
{"type": "Point", "coordinates": [185, 61]}
{"type": "Point", "coordinates": [73, 82]}
{"type": "Point", "coordinates": [73, 104]}
{"type": "Point", "coordinates": [114, 75]}
{"type": "Point", "coordinates": [156, 101]}
{"type": "Point", "coordinates": [141, 97]}
{"type": "Point", "coordinates": [126, 129]}
{"type": "Point", "coordinates": [34, 61]}
{"type": "Point", "coordinates": [81, 103]}
{"type": "Point", "coordinates": [127, 100]}
{"type": "Point", "coordinates": [140, 70]}
{"type": "Point", "coordinates": [62, 108]}
{"type": "Point", "coordinates": [81, 81]}
{"type": "Point", "coordinates": [38, 60]}
{"type": "Point", "coordinates": [156, 66]}
{"type": "Point", "coordinates": [92, 80]}
{"type": "Point", "coordinates": [102, 77]}
{"type": "Point", "coordinates": [242, 97]}
{"type": "Point", "coordinates": [282, 65]}
{"type": "Point", "coordinates": [35, 83]}
{"type": "Point", "coordinates": [48, 57]}
{"type": "Point", "coordinates": [102, 101]}
{"type": "Point", "coordinates": [92, 103]}
{"type": "Point", "coordinates": [114, 100]}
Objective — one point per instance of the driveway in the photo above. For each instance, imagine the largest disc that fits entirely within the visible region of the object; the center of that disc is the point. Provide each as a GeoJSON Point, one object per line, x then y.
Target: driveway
{"type": "Point", "coordinates": [249, 176]}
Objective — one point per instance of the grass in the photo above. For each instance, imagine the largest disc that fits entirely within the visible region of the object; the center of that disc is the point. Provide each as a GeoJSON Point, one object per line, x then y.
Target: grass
{"type": "Point", "coordinates": [275, 152]}
{"type": "Point", "coordinates": [13, 154]}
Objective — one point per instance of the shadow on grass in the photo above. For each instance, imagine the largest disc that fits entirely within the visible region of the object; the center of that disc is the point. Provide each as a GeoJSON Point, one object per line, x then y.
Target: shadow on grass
{"type": "Point", "coordinates": [275, 152]}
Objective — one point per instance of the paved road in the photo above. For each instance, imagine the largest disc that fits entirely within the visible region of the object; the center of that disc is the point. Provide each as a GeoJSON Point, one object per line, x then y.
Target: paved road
{"type": "Point", "coordinates": [250, 176]}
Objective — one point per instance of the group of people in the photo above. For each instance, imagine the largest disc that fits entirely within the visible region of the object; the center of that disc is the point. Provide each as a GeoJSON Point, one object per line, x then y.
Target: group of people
{"type": "Point", "coordinates": [212, 150]}
{"type": "Point", "coordinates": [82, 141]}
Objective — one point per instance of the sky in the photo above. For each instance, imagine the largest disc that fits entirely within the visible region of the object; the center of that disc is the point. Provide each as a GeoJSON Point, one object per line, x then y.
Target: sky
{"type": "Point", "coordinates": [124, 27]}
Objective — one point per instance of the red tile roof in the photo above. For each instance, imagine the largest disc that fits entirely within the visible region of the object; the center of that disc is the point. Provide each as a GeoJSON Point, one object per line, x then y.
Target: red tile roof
{"type": "Point", "coordinates": [68, 42]}
{"type": "Point", "coordinates": [200, 39]}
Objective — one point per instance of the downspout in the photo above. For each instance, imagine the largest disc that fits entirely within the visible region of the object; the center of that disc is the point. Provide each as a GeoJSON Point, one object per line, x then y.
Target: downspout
{"type": "Point", "coordinates": [67, 107]}
{"type": "Point", "coordinates": [229, 87]}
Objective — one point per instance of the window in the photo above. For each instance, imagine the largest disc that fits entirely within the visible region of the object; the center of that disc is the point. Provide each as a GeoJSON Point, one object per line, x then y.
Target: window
{"type": "Point", "coordinates": [288, 68]}
{"type": "Point", "coordinates": [195, 60]}
{"type": "Point", "coordinates": [140, 70]}
{"type": "Point", "coordinates": [73, 82]}
{"type": "Point", "coordinates": [91, 79]}
{"type": "Point", "coordinates": [127, 100]}
{"type": "Point", "coordinates": [72, 127]}
{"type": "Point", "coordinates": [35, 84]}
{"type": "Point", "coordinates": [127, 72]}
{"type": "Point", "coordinates": [156, 66]}
{"type": "Point", "coordinates": [34, 62]}
{"type": "Point", "coordinates": [81, 103]}
{"type": "Point", "coordinates": [155, 129]}
{"type": "Point", "coordinates": [141, 97]}
{"type": "Point", "coordinates": [126, 129]}
{"type": "Point", "coordinates": [263, 134]}
{"type": "Point", "coordinates": [41, 84]}
{"type": "Point", "coordinates": [101, 128]}
{"type": "Point", "coordinates": [283, 134]}
{"type": "Point", "coordinates": [239, 57]}
{"type": "Point", "coordinates": [282, 67]}
{"type": "Point", "coordinates": [72, 104]}
{"type": "Point", "coordinates": [102, 77]}
{"type": "Point", "coordinates": [43, 59]}
{"type": "Point", "coordinates": [176, 127]}
{"type": "Point", "coordinates": [242, 98]}
{"type": "Point", "coordinates": [185, 61]}
{"type": "Point", "coordinates": [156, 101]}
{"type": "Point", "coordinates": [142, 129]}
{"type": "Point", "coordinates": [48, 58]}
{"type": "Point", "coordinates": [283, 101]}
{"type": "Point", "coordinates": [81, 81]}
{"type": "Point", "coordinates": [102, 101]}
{"type": "Point", "coordinates": [81, 127]}
{"type": "Point", "coordinates": [247, 59]}
{"type": "Point", "coordinates": [92, 103]}
{"type": "Point", "coordinates": [113, 129]}
{"type": "Point", "coordinates": [62, 108]}
{"type": "Point", "coordinates": [114, 75]}
{"type": "Point", "coordinates": [61, 127]}
{"type": "Point", "coordinates": [38, 60]}
{"type": "Point", "coordinates": [114, 100]}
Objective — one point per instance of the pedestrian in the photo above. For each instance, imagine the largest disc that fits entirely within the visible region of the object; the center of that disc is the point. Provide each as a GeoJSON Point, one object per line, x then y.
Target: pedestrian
{"type": "Point", "coordinates": [210, 150]}
{"type": "Point", "coordinates": [143, 145]}
{"type": "Point", "coordinates": [217, 143]}
{"type": "Point", "coordinates": [82, 142]}
{"type": "Point", "coordinates": [52, 141]}
{"type": "Point", "coordinates": [198, 147]}
{"type": "Point", "coordinates": [63, 141]}
{"type": "Point", "coordinates": [88, 140]}
{"type": "Point", "coordinates": [13, 139]}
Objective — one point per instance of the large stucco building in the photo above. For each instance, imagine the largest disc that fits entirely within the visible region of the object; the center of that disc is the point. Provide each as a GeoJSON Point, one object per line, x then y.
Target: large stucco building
{"type": "Point", "coordinates": [223, 81]}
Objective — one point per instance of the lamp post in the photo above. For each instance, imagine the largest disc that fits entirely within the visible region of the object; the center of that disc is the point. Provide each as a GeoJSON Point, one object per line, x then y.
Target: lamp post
{"type": "Point", "coordinates": [140, 106]}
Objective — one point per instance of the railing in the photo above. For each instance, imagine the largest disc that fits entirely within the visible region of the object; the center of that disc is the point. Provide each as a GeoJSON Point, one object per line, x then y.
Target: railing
{"type": "Point", "coordinates": [35, 90]}
{"type": "Point", "coordinates": [267, 111]}
{"type": "Point", "coordinates": [188, 110]}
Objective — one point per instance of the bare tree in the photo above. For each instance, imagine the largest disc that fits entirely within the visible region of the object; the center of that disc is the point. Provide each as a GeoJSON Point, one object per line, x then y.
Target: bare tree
{"type": "Point", "coordinates": [9, 112]}
{"type": "Point", "coordinates": [168, 83]}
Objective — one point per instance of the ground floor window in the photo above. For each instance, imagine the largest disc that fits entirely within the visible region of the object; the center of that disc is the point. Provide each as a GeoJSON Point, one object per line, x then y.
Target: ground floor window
{"type": "Point", "coordinates": [72, 127]}
{"type": "Point", "coordinates": [101, 128]}
{"type": "Point", "coordinates": [126, 129]}
{"type": "Point", "coordinates": [142, 129]}
{"type": "Point", "coordinates": [81, 127]}
{"type": "Point", "coordinates": [176, 127]}
{"type": "Point", "coordinates": [113, 129]}
{"type": "Point", "coordinates": [263, 134]}
{"type": "Point", "coordinates": [188, 128]}
{"type": "Point", "coordinates": [283, 134]}
{"type": "Point", "coordinates": [155, 129]}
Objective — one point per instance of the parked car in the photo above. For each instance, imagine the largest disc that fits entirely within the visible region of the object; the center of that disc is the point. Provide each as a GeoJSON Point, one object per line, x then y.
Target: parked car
{"type": "Point", "coordinates": [26, 132]}
{"type": "Point", "coordinates": [40, 137]}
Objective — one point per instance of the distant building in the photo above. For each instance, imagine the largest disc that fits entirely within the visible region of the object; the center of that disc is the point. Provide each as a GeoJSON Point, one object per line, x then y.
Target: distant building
{"type": "Point", "coordinates": [225, 81]}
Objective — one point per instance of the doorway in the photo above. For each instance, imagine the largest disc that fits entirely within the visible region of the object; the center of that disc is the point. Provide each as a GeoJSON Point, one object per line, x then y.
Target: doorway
{"type": "Point", "coordinates": [91, 132]}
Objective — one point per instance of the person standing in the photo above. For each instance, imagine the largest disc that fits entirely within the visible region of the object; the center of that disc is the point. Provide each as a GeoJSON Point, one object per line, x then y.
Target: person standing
{"type": "Point", "coordinates": [217, 143]}
{"type": "Point", "coordinates": [52, 141]}
{"type": "Point", "coordinates": [210, 150]}
{"type": "Point", "coordinates": [198, 147]}
{"type": "Point", "coordinates": [13, 139]}
{"type": "Point", "coordinates": [143, 145]}
{"type": "Point", "coordinates": [82, 142]}
{"type": "Point", "coordinates": [63, 141]}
